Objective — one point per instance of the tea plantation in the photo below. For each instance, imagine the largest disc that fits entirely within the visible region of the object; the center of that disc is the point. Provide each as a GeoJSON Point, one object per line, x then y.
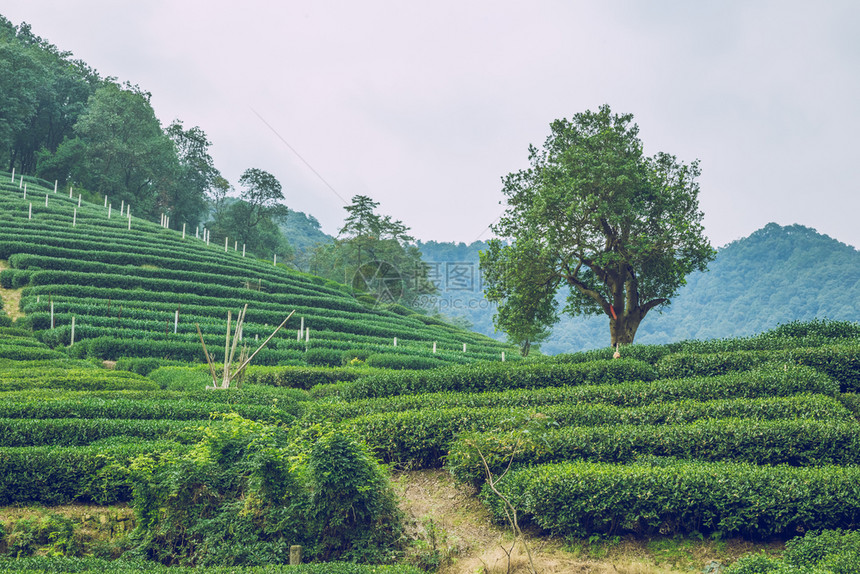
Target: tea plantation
{"type": "Point", "coordinates": [756, 437]}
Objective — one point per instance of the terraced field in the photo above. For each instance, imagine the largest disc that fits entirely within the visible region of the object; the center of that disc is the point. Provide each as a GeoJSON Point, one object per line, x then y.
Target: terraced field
{"type": "Point", "coordinates": [755, 438]}
{"type": "Point", "coordinates": [136, 289]}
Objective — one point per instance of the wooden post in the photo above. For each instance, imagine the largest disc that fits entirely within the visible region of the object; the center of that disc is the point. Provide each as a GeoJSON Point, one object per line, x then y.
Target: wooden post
{"type": "Point", "coordinates": [73, 331]}
{"type": "Point", "coordinates": [295, 554]}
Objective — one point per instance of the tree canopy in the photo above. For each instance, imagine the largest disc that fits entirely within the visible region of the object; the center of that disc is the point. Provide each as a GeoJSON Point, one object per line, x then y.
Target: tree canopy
{"type": "Point", "coordinates": [374, 253]}
{"type": "Point", "coordinates": [619, 229]}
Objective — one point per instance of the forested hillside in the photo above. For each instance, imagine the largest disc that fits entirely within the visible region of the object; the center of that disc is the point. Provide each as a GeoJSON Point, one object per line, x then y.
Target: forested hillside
{"type": "Point", "coordinates": [776, 275]}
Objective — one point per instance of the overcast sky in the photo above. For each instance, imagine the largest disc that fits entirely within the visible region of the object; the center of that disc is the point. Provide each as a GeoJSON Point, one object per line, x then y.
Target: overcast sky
{"type": "Point", "coordinates": [424, 106]}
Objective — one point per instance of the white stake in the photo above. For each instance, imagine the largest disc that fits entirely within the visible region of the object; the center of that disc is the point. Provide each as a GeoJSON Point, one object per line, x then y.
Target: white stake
{"type": "Point", "coordinates": [395, 341]}
{"type": "Point", "coordinates": [299, 335]}
{"type": "Point", "coordinates": [73, 331]}
{"type": "Point", "coordinates": [225, 245]}
{"type": "Point", "coordinates": [25, 192]}
{"type": "Point", "coordinates": [109, 207]}
{"type": "Point", "coordinates": [275, 260]}
{"type": "Point", "coordinates": [503, 356]}
{"type": "Point", "coordinates": [55, 186]}
{"type": "Point", "coordinates": [21, 182]}
{"type": "Point", "coordinates": [13, 175]}
{"type": "Point", "coordinates": [464, 347]}
{"type": "Point", "coordinates": [183, 231]}
{"type": "Point", "coordinates": [236, 245]}
{"type": "Point", "coordinates": [307, 334]}
{"type": "Point", "coordinates": [52, 314]}
{"type": "Point", "coordinates": [434, 347]}
{"type": "Point", "coordinates": [30, 214]}
{"type": "Point", "coordinates": [46, 200]}
{"type": "Point", "coordinates": [129, 223]}
{"type": "Point", "coordinates": [176, 322]}
{"type": "Point", "coordinates": [243, 250]}
{"type": "Point", "coordinates": [70, 195]}
{"type": "Point", "coordinates": [302, 328]}
{"type": "Point", "coordinates": [197, 233]}
{"type": "Point", "coordinates": [121, 207]}
{"type": "Point", "coordinates": [75, 217]}
{"type": "Point", "coordinates": [79, 200]}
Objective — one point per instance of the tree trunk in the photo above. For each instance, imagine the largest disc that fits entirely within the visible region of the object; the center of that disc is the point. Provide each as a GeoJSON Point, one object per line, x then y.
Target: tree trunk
{"type": "Point", "coordinates": [622, 330]}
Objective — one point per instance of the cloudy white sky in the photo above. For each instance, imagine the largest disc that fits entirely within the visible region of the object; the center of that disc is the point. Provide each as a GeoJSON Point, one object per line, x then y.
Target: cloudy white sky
{"type": "Point", "coordinates": [424, 106]}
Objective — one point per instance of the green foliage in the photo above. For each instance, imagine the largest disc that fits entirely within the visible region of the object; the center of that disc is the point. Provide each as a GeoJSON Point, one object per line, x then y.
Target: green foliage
{"type": "Point", "coordinates": [351, 505]}
{"type": "Point", "coordinates": [793, 442]}
{"type": "Point", "coordinates": [300, 377]}
{"type": "Point", "coordinates": [581, 498]}
{"type": "Point", "coordinates": [497, 376]}
{"type": "Point", "coordinates": [322, 357]}
{"type": "Point", "coordinates": [825, 552]}
{"type": "Point", "coordinates": [841, 362]}
{"type": "Point", "coordinates": [619, 229]}
{"type": "Point", "coordinates": [400, 362]}
{"type": "Point", "coordinates": [245, 493]}
{"type": "Point", "coordinates": [375, 255]}
{"type": "Point", "coordinates": [59, 475]}
{"type": "Point", "coordinates": [91, 565]}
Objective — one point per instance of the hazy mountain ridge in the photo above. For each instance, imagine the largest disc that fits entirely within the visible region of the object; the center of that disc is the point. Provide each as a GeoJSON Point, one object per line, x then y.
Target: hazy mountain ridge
{"type": "Point", "coordinates": [776, 275]}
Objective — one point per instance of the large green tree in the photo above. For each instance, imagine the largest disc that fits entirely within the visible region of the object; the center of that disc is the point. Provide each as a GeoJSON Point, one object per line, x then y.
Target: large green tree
{"type": "Point", "coordinates": [120, 149]}
{"type": "Point", "coordinates": [620, 229]}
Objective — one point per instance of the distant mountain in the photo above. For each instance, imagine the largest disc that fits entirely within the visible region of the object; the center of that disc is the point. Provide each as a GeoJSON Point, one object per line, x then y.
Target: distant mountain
{"type": "Point", "coordinates": [776, 275]}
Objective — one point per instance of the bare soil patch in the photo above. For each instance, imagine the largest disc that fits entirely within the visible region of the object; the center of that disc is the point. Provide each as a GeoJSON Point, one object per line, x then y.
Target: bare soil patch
{"type": "Point", "coordinates": [11, 298]}
{"type": "Point", "coordinates": [449, 516]}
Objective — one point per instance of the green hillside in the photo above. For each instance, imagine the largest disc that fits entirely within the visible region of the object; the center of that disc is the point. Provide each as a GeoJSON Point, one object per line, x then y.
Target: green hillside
{"type": "Point", "coordinates": [776, 275]}
{"type": "Point", "coordinates": [136, 289]}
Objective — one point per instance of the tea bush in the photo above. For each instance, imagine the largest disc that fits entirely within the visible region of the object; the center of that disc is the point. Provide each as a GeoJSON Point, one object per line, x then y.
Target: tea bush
{"type": "Point", "coordinates": [729, 499]}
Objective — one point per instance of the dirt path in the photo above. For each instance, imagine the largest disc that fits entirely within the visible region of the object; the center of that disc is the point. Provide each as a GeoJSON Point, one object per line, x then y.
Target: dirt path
{"type": "Point", "coordinates": [451, 517]}
{"type": "Point", "coordinates": [11, 298]}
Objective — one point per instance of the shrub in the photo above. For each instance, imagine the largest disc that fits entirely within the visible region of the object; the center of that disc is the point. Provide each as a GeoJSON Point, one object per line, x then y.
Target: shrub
{"type": "Point", "coordinates": [580, 498]}
{"type": "Point", "coordinates": [399, 362]}
{"type": "Point", "coordinates": [300, 377]}
{"type": "Point", "coordinates": [245, 493]}
{"type": "Point", "coordinates": [482, 377]}
{"type": "Point", "coordinates": [322, 357]}
{"type": "Point", "coordinates": [794, 442]}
